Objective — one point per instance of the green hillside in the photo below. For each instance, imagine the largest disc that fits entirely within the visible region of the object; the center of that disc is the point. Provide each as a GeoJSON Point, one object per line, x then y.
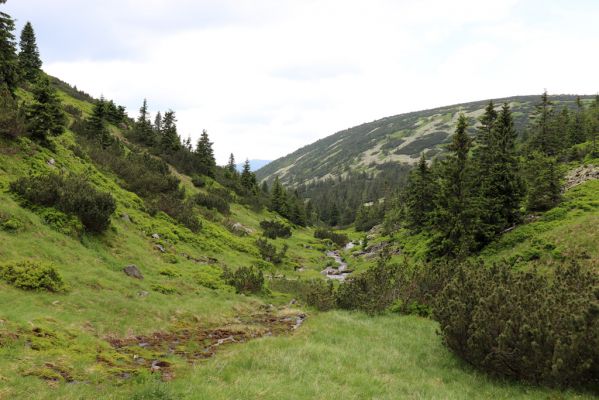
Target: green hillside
{"type": "Point", "coordinates": [383, 143]}
{"type": "Point", "coordinates": [132, 266]}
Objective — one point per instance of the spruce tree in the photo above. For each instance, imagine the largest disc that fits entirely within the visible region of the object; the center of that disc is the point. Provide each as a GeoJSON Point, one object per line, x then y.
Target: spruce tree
{"type": "Point", "coordinates": [454, 216]}
{"type": "Point", "coordinates": [418, 197]}
{"type": "Point", "coordinates": [500, 188]}
{"type": "Point", "coordinates": [8, 53]}
{"type": "Point", "coordinates": [543, 182]}
{"type": "Point", "coordinates": [248, 179]}
{"type": "Point", "coordinates": [44, 114]}
{"type": "Point", "coordinates": [158, 123]}
{"type": "Point", "coordinates": [277, 197]}
{"type": "Point", "coordinates": [578, 132]}
{"type": "Point", "coordinates": [544, 136]}
{"type": "Point", "coordinates": [231, 167]}
{"type": "Point", "coordinates": [30, 63]}
{"type": "Point", "coordinates": [143, 131]}
{"type": "Point", "coordinates": [170, 141]}
{"type": "Point", "coordinates": [205, 155]}
{"type": "Point", "coordinates": [12, 119]}
{"type": "Point", "coordinates": [97, 125]}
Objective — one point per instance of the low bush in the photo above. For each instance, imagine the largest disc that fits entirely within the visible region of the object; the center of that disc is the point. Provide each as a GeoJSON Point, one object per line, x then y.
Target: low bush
{"type": "Point", "coordinates": [210, 277]}
{"type": "Point", "coordinates": [70, 194]}
{"type": "Point", "coordinates": [212, 201]}
{"type": "Point", "coordinates": [338, 238]}
{"type": "Point", "coordinates": [274, 229]}
{"type": "Point", "coordinates": [316, 293]}
{"type": "Point", "coordinates": [373, 290]}
{"type": "Point", "coordinates": [29, 275]}
{"type": "Point", "coordinates": [524, 325]}
{"type": "Point", "coordinates": [164, 289]}
{"type": "Point", "coordinates": [9, 223]}
{"type": "Point", "coordinates": [198, 181]}
{"type": "Point", "coordinates": [269, 252]}
{"type": "Point", "coordinates": [244, 279]}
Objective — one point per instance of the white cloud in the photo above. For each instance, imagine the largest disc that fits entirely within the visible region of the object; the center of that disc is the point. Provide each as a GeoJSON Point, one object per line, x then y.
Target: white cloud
{"type": "Point", "coordinates": [267, 77]}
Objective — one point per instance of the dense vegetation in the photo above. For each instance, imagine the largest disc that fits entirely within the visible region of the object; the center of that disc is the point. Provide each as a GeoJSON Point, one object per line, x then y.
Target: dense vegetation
{"type": "Point", "coordinates": [185, 256]}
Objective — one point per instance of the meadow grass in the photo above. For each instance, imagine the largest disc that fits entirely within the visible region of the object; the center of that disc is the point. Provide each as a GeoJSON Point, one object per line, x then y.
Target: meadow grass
{"type": "Point", "coordinates": [335, 355]}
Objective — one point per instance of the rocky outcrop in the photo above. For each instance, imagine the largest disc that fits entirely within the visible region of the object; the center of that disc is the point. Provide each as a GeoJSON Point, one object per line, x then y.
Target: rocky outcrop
{"type": "Point", "coordinates": [580, 175]}
{"type": "Point", "coordinates": [133, 271]}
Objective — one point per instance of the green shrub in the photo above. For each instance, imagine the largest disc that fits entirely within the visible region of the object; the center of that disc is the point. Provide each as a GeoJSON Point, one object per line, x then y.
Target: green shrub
{"type": "Point", "coordinates": [198, 181]}
{"type": "Point", "coordinates": [269, 252]}
{"type": "Point", "coordinates": [245, 279]}
{"type": "Point", "coordinates": [171, 273]}
{"type": "Point", "coordinates": [164, 289]}
{"type": "Point", "coordinates": [316, 293]}
{"type": "Point", "coordinates": [71, 194]}
{"type": "Point", "coordinates": [373, 290]}
{"type": "Point", "coordinates": [212, 201]}
{"type": "Point", "coordinates": [274, 229]}
{"type": "Point", "coordinates": [9, 223]}
{"type": "Point", "coordinates": [524, 325]}
{"type": "Point", "coordinates": [338, 238]}
{"type": "Point", "coordinates": [29, 275]}
{"type": "Point", "coordinates": [211, 278]}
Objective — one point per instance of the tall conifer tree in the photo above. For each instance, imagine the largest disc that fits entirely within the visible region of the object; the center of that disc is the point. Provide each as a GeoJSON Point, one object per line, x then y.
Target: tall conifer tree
{"type": "Point", "coordinates": [169, 138]}
{"type": "Point", "coordinates": [205, 155]}
{"type": "Point", "coordinates": [30, 63]}
{"type": "Point", "coordinates": [8, 53]}
{"type": "Point", "coordinates": [418, 196]}
{"type": "Point", "coordinates": [44, 115]}
{"type": "Point", "coordinates": [454, 217]}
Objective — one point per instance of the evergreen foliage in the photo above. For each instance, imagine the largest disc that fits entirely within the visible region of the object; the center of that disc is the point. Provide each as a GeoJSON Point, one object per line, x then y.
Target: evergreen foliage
{"type": "Point", "coordinates": [500, 187]}
{"type": "Point", "coordinates": [524, 325]}
{"type": "Point", "coordinates": [71, 194]}
{"type": "Point", "coordinates": [30, 63]}
{"type": "Point", "coordinates": [454, 217]}
{"type": "Point", "coordinates": [44, 114]}
{"type": "Point", "coordinates": [96, 126]}
{"type": "Point", "coordinates": [205, 155]}
{"type": "Point", "coordinates": [543, 182]}
{"type": "Point", "coordinates": [418, 197]}
{"type": "Point", "coordinates": [9, 75]}
{"type": "Point", "coordinates": [12, 116]}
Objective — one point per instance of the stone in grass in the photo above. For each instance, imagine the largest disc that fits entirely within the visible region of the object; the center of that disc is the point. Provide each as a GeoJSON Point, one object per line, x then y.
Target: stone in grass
{"type": "Point", "coordinates": [133, 271]}
{"type": "Point", "coordinates": [155, 236]}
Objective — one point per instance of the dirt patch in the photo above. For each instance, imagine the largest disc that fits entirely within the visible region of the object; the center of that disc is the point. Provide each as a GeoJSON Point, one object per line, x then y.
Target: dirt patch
{"type": "Point", "coordinates": [192, 343]}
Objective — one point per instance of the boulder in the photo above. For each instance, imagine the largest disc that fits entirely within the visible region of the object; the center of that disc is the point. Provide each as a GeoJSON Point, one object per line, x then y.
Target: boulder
{"type": "Point", "coordinates": [155, 236]}
{"type": "Point", "coordinates": [133, 271]}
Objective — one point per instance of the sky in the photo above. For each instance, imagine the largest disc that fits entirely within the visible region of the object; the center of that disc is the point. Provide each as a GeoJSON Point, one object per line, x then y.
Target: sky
{"type": "Point", "coordinates": [266, 77]}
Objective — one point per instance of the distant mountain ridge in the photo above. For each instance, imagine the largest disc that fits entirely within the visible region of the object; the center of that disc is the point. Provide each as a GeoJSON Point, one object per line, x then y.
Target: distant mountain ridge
{"type": "Point", "coordinates": [398, 139]}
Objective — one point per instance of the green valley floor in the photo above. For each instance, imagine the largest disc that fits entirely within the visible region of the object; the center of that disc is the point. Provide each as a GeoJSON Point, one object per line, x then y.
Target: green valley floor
{"type": "Point", "coordinates": [334, 355]}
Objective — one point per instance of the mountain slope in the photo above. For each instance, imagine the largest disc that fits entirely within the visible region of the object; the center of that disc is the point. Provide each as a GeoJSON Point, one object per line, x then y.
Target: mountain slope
{"type": "Point", "coordinates": [397, 139]}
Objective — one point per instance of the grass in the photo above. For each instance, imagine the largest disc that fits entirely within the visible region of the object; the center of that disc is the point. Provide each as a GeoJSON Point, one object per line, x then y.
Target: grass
{"type": "Point", "coordinates": [54, 345]}
{"type": "Point", "coordinates": [328, 358]}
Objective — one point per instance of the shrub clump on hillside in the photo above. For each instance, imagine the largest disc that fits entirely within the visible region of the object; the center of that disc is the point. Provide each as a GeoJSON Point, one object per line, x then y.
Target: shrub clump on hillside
{"type": "Point", "coordinates": [338, 238]}
{"type": "Point", "coordinates": [274, 229]}
{"type": "Point", "coordinates": [213, 201]}
{"type": "Point", "coordinates": [524, 325]}
{"type": "Point", "coordinates": [269, 252]}
{"type": "Point", "coordinates": [70, 194]}
{"type": "Point", "coordinates": [316, 293]}
{"type": "Point", "coordinates": [373, 290]}
{"type": "Point", "coordinates": [244, 279]}
{"type": "Point", "coordinates": [29, 275]}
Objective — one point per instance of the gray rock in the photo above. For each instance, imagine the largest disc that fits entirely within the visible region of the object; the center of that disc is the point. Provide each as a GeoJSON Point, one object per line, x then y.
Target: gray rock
{"type": "Point", "coordinates": [155, 236]}
{"type": "Point", "coordinates": [160, 248]}
{"type": "Point", "coordinates": [51, 162]}
{"type": "Point", "coordinates": [125, 217]}
{"type": "Point", "coordinates": [143, 293]}
{"type": "Point", "coordinates": [133, 271]}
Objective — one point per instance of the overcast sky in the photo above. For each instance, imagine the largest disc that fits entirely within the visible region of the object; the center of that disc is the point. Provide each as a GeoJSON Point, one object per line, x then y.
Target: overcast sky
{"type": "Point", "coordinates": [266, 77]}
